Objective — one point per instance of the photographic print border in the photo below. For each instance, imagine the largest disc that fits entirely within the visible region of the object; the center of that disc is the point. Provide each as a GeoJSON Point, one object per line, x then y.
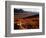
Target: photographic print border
{"type": "Point", "coordinates": [8, 18]}
{"type": "Point", "coordinates": [34, 9]}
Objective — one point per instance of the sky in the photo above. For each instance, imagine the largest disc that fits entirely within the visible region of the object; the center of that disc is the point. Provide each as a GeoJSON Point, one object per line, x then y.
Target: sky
{"type": "Point", "coordinates": [29, 9]}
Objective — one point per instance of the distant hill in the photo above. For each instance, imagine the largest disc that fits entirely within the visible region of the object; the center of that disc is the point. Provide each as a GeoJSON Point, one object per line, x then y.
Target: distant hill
{"type": "Point", "coordinates": [18, 10]}
{"type": "Point", "coordinates": [20, 13]}
{"type": "Point", "coordinates": [32, 16]}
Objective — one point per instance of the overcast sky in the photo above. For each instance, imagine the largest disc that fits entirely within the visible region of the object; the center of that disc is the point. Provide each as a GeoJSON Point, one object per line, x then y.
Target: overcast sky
{"type": "Point", "coordinates": [30, 9]}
